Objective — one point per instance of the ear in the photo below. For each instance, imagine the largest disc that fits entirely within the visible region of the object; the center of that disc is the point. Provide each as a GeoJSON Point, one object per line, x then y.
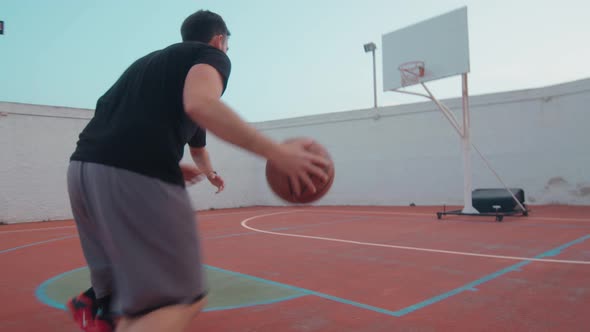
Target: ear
{"type": "Point", "coordinates": [217, 41]}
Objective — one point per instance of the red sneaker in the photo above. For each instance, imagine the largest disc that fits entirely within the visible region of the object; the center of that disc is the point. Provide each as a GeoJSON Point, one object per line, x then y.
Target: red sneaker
{"type": "Point", "coordinates": [88, 316]}
{"type": "Point", "coordinates": [81, 309]}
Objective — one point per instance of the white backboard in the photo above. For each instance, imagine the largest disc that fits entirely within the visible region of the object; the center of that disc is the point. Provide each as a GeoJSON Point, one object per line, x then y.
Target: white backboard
{"type": "Point", "coordinates": [442, 42]}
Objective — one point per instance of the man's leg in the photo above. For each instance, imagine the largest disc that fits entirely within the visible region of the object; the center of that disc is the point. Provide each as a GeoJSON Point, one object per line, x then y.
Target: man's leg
{"type": "Point", "coordinates": [85, 306]}
{"type": "Point", "coordinates": [151, 240]}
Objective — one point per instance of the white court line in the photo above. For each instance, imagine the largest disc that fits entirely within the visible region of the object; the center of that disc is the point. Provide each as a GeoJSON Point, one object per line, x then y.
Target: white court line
{"type": "Point", "coordinates": [201, 215]}
{"type": "Point", "coordinates": [371, 212]}
{"type": "Point", "coordinates": [321, 210]}
{"type": "Point", "coordinates": [244, 224]}
{"type": "Point", "coordinates": [37, 243]}
{"type": "Point", "coordinates": [36, 229]}
{"type": "Point", "coordinates": [213, 214]}
{"type": "Point", "coordinates": [528, 218]}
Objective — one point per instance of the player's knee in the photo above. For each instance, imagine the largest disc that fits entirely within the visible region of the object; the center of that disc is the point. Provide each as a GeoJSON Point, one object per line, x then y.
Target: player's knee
{"type": "Point", "coordinates": [169, 318]}
{"type": "Point", "coordinates": [195, 308]}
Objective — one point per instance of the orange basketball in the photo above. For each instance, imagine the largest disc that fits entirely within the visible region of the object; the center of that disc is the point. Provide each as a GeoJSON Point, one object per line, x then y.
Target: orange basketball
{"type": "Point", "coordinates": [280, 185]}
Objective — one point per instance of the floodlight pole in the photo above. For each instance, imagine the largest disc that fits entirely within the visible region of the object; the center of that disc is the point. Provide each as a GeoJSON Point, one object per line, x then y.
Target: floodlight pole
{"type": "Point", "coordinates": [374, 82]}
{"type": "Point", "coordinates": [371, 47]}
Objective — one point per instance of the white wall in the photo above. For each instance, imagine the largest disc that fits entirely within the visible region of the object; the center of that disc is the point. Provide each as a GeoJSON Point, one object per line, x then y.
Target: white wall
{"type": "Point", "coordinates": [535, 139]}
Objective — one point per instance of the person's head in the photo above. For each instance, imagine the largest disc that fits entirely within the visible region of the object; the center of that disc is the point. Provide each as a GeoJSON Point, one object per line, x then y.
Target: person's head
{"type": "Point", "coordinates": [206, 27]}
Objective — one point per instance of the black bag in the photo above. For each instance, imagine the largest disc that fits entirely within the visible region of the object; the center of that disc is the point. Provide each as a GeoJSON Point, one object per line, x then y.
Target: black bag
{"type": "Point", "coordinates": [483, 200]}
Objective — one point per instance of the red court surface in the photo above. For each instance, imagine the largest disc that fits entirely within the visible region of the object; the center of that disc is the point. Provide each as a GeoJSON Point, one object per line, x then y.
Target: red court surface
{"type": "Point", "coordinates": [353, 268]}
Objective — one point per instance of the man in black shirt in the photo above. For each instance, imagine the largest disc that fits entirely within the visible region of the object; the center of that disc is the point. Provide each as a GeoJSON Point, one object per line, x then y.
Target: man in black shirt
{"type": "Point", "coordinates": [127, 188]}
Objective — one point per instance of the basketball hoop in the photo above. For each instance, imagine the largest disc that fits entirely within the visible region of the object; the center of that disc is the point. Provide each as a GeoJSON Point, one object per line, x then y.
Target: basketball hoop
{"type": "Point", "coordinates": [411, 72]}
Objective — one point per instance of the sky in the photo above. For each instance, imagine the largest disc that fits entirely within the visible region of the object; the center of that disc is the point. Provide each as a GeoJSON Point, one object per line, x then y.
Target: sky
{"type": "Point", "coordinates": [289, 58]}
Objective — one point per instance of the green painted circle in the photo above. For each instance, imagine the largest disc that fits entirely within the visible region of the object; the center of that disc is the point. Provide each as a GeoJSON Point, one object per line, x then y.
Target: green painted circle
{"type": "Point", "coordinates": [227, 290]}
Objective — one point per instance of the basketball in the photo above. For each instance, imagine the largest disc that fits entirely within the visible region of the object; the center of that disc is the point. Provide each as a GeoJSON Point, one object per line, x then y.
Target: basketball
{"type": "Point", "coordinates": [280, 185]}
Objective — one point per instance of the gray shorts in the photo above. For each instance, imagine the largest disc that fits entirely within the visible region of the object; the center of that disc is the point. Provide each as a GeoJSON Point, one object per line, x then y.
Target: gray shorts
{"type": "Point", "coordinates": [139, 238]}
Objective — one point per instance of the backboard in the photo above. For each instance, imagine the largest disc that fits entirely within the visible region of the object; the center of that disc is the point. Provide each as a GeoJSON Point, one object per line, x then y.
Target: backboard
{"type": "Point", "coordinates": [441, 43]}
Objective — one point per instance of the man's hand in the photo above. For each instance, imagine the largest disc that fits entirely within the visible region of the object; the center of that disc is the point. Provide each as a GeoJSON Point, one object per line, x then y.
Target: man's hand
{"type": "Point", "coordinates": [296, 162]}
{"type": "Point", "coordinates": [191, 174]}
{"type": "Point", "coordinates": [216, 180]}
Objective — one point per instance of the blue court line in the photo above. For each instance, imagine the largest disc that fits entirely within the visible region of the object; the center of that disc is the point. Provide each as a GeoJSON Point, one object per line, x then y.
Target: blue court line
{"type": "Point", "coordinates": [37, 243]}
{"type": "Point", "coordinates": [252, 304]}
{"type": "Point", "coordinates": [305, 291]}
{"type": "Point", "coordinates": [40, 292]}
{"type": "Point", "coordinates": [471, 286]}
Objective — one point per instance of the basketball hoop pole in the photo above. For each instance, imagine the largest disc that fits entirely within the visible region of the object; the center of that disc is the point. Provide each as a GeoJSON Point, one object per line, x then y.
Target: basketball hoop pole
{"type": "Point", "coordinates": [412, 56]}
{"type": "Point", "coordinates": [464, 131]}
{"type": "Point", "coordinates": [466, 140]}
{"type": "Point", "coordinates": [465, 135]}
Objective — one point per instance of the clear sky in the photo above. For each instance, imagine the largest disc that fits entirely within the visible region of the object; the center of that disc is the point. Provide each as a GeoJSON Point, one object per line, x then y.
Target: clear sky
{"type": "Point", "coordinates": [289, 58]}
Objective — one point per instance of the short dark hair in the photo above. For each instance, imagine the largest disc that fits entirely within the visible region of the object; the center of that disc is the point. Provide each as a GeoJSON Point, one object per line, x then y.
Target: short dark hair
{"type": "Point", "coordinates": [202, 26]}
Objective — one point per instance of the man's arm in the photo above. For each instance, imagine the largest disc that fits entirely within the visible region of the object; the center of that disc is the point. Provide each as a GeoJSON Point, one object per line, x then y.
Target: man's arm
{"type": "Point", "coordinates": [201, 158]}
{"type": "Point", "coordinates": [202, 90]}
